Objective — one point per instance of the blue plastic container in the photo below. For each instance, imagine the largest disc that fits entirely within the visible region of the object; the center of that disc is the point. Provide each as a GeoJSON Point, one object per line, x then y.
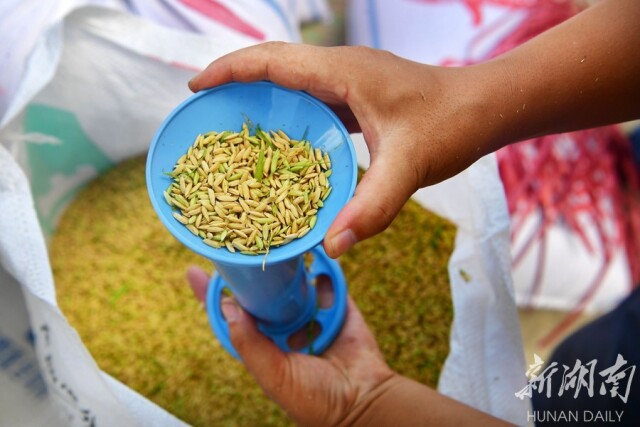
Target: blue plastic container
{"type": "Point", "coordinates": [282, 297]}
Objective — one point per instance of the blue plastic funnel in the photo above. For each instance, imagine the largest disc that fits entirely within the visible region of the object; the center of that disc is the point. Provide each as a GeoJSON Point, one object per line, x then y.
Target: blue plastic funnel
{"type": "Point", "coordinates": [282, 298]}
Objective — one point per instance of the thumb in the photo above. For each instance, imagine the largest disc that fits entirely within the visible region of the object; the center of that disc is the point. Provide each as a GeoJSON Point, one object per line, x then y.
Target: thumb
{"type": "Point", "coordinates": [266, 362]}
{"type": "Point", "coordinates": [384, 189]}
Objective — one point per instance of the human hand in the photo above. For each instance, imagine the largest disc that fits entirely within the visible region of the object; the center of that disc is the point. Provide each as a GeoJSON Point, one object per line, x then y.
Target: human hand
{"type": "Point", "coordinates": [423, 124]}
{"type": "Point", "coordinates": [415, 122]}
{"type": "Point", "coordinates": [312, 390]}
{"type": "Point", "coordinates": [348, 385]}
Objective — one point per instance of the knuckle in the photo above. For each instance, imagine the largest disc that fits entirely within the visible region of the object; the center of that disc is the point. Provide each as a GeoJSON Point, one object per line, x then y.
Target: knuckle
{"type": "Point", "coordinates": [275, 45]}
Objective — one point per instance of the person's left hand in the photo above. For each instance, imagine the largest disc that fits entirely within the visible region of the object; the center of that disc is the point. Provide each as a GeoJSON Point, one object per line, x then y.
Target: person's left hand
{"type": "Point", "coordinates": [312, 390]}
{"type": "Point", "coordinates": [348, 385]}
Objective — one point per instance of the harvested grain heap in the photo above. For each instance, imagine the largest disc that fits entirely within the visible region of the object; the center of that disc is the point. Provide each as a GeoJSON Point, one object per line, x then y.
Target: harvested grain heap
{"type": "Point", "coordinates": [249, 192]}
{"type": "Point", "coordinates": [120, 280]}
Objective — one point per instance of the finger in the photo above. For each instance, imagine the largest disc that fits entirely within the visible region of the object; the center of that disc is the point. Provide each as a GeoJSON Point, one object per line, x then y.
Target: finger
{"type": "Point", "coordinates": [300, 67]}
{"type": "Point", "coordinates": [266, 362]}
{"type": "Point", "coordinates": [265, 62]}
{"type": "Point", "coordinates": [199, 281]}
{"type": "Point", "coordinates": [384, 189]}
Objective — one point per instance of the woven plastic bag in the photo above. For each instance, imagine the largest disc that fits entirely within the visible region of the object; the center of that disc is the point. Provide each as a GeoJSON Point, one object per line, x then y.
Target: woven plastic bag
{"type": "Point", "coordinates": [485, 365]}
{"type": "Point", "coordinates": [94, 90]}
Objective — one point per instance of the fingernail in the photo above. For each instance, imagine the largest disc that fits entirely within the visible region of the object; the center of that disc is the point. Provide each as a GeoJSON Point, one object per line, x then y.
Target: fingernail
{"type": "Point", "coordinates": [230, 311]}
{"type": "Point", "coordinates": [343, 241]}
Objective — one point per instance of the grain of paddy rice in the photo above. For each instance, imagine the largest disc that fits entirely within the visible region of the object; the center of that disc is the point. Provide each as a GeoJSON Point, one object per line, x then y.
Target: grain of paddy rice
{"type": "Point", "coordinates": [120, 280]}
{"type": "Point", "coordinates": [241, 181]}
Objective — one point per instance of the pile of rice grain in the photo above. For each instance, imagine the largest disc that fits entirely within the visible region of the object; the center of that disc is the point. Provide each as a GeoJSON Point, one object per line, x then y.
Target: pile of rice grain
{"type": "Point", "coordinates": [120, 279]}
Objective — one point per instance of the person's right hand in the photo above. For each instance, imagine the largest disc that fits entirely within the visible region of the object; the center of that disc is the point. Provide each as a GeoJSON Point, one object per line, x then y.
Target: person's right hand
{"type": "Point", "coordinates": [424, 124]}
{"type": "Point", "coordinates": [414, 121]}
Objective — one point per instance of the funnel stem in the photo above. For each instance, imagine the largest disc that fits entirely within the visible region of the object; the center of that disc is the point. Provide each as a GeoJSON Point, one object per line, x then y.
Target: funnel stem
{"type": "Point", "coordinates": [278, 296]}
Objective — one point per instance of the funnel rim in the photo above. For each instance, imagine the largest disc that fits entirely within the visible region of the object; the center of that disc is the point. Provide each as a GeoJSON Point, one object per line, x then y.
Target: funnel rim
{"type": "Point", "coordinates": [222, 255]}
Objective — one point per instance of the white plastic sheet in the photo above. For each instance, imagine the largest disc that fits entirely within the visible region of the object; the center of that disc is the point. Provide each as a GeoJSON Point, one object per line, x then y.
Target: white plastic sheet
{"type": "Point", "coordinates": [486, 365]}
{"type": "Point", "coordinates": [95, 88]}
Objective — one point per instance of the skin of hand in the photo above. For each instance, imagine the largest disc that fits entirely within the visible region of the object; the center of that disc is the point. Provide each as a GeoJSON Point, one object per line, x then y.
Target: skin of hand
{"type": "Point", "coordinates": [349, 385]}
{"type": "Point", "coordinates": [379, 94]}
{"type": "Point", "coordinates": [424, 124]}
{"type": "Point", "coordinates": [312, 390]}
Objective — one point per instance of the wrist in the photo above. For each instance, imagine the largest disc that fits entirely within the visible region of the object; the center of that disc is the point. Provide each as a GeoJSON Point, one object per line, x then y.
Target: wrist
{"type": "Point", "coordinates": [495, 106]}
{"type": "Point", "coordinates": [375, 403]}
{"type": "Point", "coordinates": [401, 401]}
{"type": "Point", "coordinates": [475, 118]}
